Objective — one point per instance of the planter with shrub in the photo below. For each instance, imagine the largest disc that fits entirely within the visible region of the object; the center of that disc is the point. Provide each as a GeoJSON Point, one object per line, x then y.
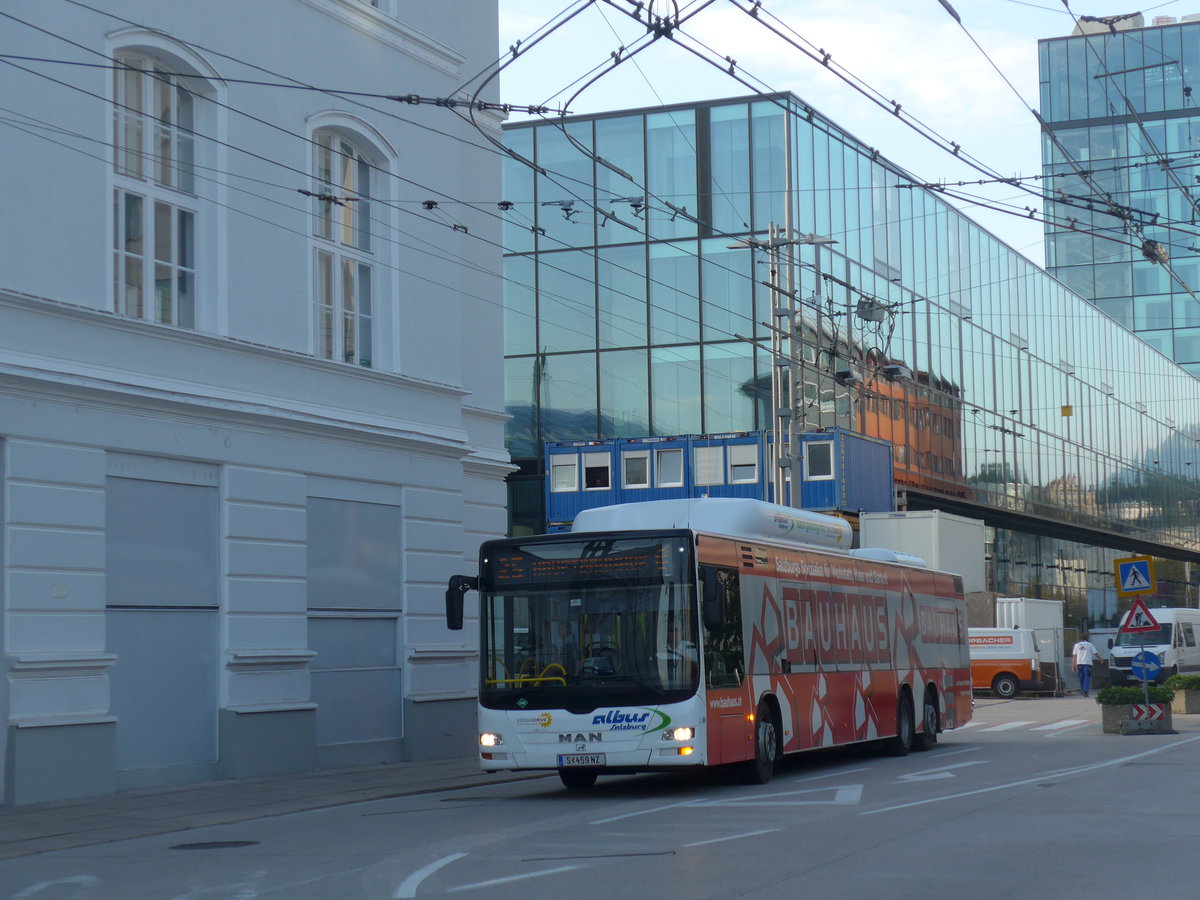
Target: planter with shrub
{"type": "Point", "coordinates": [1116, 710]}
{"type": "Point", "coordinates": [1187, 693]}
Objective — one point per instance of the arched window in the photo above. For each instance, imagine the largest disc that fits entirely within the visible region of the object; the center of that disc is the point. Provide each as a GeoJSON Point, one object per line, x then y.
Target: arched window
{"type": "Point", "coordinates": [154, 202]}
{"type": "Point", "coordinates": [344, 277]}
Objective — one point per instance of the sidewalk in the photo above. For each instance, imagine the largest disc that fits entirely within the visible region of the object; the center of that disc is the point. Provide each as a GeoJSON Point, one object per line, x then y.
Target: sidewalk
{"type": "Point", "coordinates": [64, 824]}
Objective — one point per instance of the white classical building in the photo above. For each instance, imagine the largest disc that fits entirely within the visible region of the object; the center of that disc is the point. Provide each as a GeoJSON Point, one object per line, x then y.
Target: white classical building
{"type": "Point", "coordinates": [251, 404]}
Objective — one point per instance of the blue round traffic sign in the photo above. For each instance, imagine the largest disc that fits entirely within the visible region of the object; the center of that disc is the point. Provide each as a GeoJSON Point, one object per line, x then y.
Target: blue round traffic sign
{"type": "Point", "coordinates": [1145, 666]}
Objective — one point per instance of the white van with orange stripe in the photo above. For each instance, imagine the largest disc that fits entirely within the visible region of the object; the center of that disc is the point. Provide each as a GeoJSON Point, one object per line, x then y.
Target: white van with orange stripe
{"type": "Point", "coordinates": [1005, 661]}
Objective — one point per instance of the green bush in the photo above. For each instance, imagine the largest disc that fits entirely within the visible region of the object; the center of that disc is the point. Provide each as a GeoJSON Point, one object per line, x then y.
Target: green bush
{"type": "Point", "coordinates": [1124, 695]}
{"type": "Point", "coordinates": [1183, 683]}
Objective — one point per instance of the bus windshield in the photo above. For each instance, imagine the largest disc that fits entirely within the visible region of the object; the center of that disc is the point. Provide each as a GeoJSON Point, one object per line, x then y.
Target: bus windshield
{"type": "Point", "coordinates": [574, 623]}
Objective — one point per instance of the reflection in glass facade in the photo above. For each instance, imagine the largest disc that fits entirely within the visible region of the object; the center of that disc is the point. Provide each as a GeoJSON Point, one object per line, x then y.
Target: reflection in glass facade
{"type": "Point", "coordinates": [1018, 402]}
{"type": "Point", "coordinates": [1121, 109]}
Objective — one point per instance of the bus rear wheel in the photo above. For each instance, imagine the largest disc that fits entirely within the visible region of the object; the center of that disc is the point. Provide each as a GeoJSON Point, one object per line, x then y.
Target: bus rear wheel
{"type": "Point", "coordinates": [902, 742]}
{"type": "Point", "coordinates": [577, 779]}
{"type": "Point", "coordinates": [931, 720]}
{"type": "Point", "coordinates": [761, 769]}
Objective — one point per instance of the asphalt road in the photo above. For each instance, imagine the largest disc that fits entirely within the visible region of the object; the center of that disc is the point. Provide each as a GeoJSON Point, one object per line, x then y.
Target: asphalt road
{"type": "Point", "coordinates": [1029, 800]}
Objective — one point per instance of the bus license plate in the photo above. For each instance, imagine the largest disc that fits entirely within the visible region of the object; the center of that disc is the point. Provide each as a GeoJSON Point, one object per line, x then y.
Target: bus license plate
{"type": "Point", "coordinates": [580, 759]}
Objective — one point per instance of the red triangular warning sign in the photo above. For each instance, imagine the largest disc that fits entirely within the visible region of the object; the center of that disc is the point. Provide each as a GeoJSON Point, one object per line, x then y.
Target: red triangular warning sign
{"type": "Point", "coordinates": [1139, 618]}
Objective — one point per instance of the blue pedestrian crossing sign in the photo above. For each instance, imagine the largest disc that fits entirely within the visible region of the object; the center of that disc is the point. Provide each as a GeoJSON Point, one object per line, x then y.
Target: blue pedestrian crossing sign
{"type": "Point", "coordinates": [1135, 575]}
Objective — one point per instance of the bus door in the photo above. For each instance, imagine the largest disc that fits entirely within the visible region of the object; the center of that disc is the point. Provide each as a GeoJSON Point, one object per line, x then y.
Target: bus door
{"type": "Point", "coordinates": [726, 690]}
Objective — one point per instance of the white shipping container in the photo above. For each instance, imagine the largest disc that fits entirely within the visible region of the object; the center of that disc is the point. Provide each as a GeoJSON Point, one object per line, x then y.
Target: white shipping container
{"type": "Point", "coordinates": [1043, 617]}
{"type": "Point", "coordinates": [947, 542]}
{"type": "Point", "coordinates": [1028, 612]}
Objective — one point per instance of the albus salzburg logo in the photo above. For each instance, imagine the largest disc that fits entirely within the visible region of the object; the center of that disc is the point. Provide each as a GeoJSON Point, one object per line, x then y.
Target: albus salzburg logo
{"type": "Point", "coordinates": [645, 720]}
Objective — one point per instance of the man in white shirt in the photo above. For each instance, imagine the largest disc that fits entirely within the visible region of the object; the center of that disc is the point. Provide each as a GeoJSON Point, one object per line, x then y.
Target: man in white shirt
{"type": "Point", "coordinates": [1083, 655]}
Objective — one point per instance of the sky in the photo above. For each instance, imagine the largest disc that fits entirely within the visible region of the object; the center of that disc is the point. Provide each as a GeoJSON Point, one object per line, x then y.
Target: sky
{"type": "Point", "coordinates": [913, 53]}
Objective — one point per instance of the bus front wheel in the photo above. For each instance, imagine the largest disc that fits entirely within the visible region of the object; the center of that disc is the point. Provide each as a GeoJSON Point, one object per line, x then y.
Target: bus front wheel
{"type": "Point", "coordinates": [766, 747]}
{"type": "Point", "coordinates": [577, 779]}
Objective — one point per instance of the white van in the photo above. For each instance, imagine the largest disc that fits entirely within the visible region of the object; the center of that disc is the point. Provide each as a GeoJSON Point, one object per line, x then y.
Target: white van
{"type": "Point", "coordinates": [1175, 644]}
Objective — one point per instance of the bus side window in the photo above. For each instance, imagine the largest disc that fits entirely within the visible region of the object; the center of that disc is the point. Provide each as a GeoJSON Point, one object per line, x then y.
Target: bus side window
{"type": "Point", "coordinates": [724, 656]}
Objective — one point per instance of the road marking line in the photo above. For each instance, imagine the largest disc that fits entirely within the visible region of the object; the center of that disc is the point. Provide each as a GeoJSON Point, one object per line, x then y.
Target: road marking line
{"type": "Point", "coordinates": [495, 881]}
{"type": "Point", "coordinates": [408, 887]}
{"type": "Point", "coordinates": [644, 812]}
{"type": "Point", "coordinates": [844, 795]}
{"type": "Point", "coordinates": [80, 880]}
{"type": "Point", "coordinates": [1060, 773]}
{"type": "Point", "coordinates": [943, 753]}
{"type": "Point", "coordinates": [940, 772]}
{"type": "Point", "coordinates": [733, 837]}
{"type": "Point", "coordinates": [1008, 726]}
{"type": "Point", "coordinates": [838, 773]}
{"type": "Point", "coordinates": [1065, 723]}
{"type": "Point", "coordinates": [966, 725]}
{"type": "Point", "coordinates": [704, 801]}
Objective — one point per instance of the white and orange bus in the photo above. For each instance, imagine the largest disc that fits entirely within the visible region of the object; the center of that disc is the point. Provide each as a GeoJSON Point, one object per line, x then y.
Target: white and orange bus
{"type": "Point", "coordinates": [717, 631]}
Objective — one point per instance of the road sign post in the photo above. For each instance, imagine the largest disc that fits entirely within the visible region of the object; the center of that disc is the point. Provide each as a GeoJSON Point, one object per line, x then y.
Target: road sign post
{"type": "Point", "coordinates": [1139, 621]}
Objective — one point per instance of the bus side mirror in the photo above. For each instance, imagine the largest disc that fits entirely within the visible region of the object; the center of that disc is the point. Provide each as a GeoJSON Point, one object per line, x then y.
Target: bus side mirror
{"type": "Point", "coordinates": [712, 598]}
{"type": "Point", "coordinates": [459, 585]}
{"type": "Point", "coordinates": [1110, 643]}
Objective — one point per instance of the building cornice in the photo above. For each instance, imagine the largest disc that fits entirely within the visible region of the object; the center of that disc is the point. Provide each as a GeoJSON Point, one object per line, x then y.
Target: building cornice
{"type": "Point", "coordinates": [34, 371]}
{"type": "Point", "coordinates": [59, 665]}
{"type": "Point", "coordinates": [393, 33]}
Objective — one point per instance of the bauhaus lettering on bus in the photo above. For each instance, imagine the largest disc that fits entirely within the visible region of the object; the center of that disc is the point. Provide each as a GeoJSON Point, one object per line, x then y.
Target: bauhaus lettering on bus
{"type": "Point", "coordinates": [835, 627]}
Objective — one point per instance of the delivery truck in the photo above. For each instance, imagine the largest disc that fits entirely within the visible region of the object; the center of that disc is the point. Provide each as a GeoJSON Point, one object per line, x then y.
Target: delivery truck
{"type": "Point", "coordinates": [1005, 661]}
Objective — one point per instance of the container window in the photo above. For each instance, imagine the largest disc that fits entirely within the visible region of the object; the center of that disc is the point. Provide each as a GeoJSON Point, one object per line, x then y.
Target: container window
{"type": "Point", "coordinates": [669, 467]}
{"type": "Point", "coordinates": [636, 473]}
{"type": "Point", "coordinates": [818, 461]}
{"type": "Point", "coordinates": [709, 463]}
{"type": "Point", "coordinates": [596, 472]}
{"type": "Point", "coordinates": [743, 463]}
{"type": "Point", "coordinates": [564, 475]}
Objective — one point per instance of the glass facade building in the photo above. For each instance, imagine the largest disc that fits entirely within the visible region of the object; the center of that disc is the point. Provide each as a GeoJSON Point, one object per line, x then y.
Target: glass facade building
{"type": "Point", "coordinates": [1121, 146]}
{"type": "Point", "coordinates": [1006, 396]}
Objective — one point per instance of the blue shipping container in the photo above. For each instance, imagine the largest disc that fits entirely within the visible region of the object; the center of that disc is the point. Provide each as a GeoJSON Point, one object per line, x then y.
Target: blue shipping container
{"type": "Point", "coordinates": [843, 471]}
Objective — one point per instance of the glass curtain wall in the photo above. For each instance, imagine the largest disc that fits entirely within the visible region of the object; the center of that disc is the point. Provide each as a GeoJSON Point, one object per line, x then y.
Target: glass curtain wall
{"type": "Point", "coordinates": [1123, 129]}
{"type": "Point", "coordinates": [998, 386]}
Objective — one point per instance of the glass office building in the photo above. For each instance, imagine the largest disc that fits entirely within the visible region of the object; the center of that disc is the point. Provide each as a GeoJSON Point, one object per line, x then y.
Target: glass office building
{"type": "Point", "coordinates": [1006, 396]}
{"type": "Point", "coordinates": [1123, 145]}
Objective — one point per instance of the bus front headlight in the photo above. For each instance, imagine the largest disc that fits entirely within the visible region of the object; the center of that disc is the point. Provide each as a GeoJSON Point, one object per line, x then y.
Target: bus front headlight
{"type": "Point", "coordinates": [679, 734]}
{"type": "Point", "coordinates": [488, 739]}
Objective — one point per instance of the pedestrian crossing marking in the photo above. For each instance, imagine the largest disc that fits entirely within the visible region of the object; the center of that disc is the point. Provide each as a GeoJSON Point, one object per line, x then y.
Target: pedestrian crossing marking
{"type": "Point", "coordinates": [1046, 729]}
{"type": "Point", "coordinates": [1065, 723]}
{"type": "Point", "coordinates": [1008, 726]}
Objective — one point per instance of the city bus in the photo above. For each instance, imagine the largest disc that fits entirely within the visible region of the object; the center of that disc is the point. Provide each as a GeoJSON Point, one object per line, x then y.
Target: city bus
{"type": "Point", "coordinates": [683, 633]}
